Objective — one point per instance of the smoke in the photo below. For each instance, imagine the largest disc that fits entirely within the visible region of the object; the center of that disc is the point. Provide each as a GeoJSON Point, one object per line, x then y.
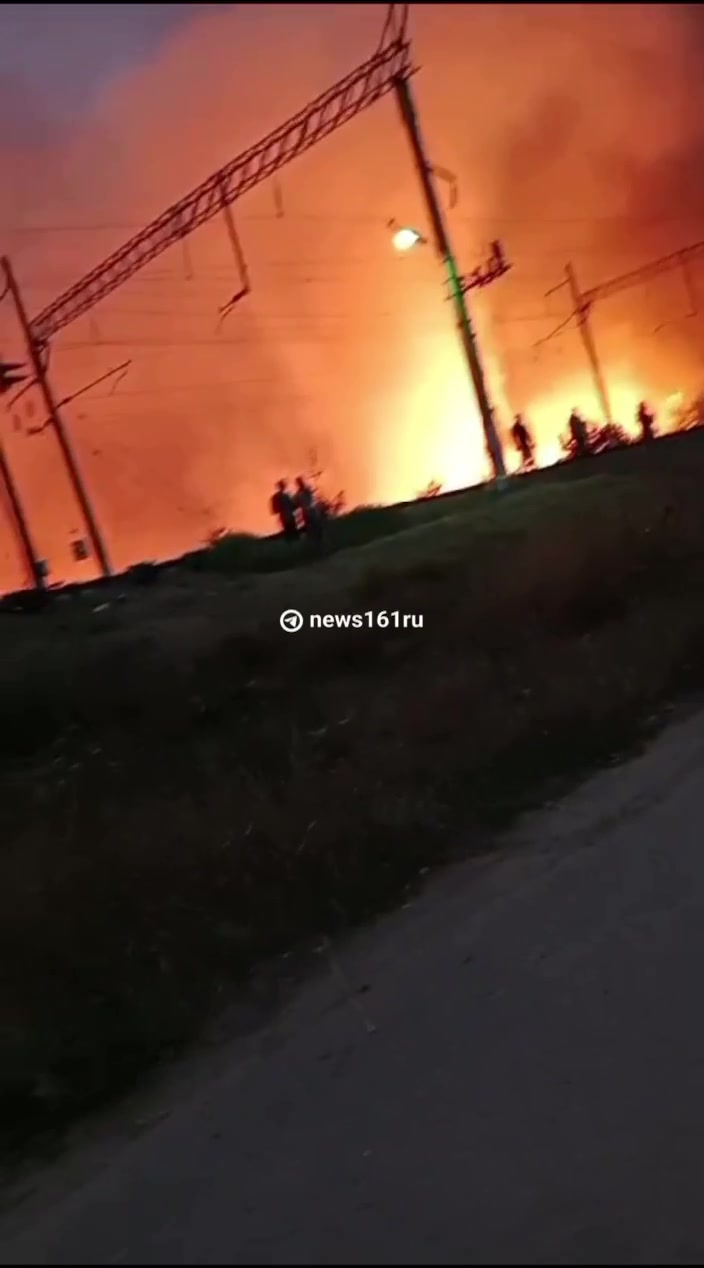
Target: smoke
{"type": "Point", "coordinates": [573, 132]}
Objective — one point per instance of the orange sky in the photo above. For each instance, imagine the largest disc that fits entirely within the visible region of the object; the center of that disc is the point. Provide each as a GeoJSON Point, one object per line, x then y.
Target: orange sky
{"type": "Point", "coordinates": [572, 131]}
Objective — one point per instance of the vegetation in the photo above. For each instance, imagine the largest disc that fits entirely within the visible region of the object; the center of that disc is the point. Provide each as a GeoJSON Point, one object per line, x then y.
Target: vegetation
{"type": "Point", "coordinates": [601, 439]}
{"type": "Point", "coordinates": [243, 552]}
{"type": "Point", "coordinates": [187, 789]}
{"type": "Point", "coordinates": [432, 490]}
{"type": "Point", "coordinates": [691, 414]}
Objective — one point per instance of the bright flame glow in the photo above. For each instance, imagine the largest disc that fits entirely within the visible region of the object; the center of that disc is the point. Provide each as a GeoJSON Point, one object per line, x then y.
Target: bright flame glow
{"type": "Point", "coordinates": [439, 435]}
{"type": "Point", "coordinates": [340, 349]}
{"type": "Point", "coordinates": [549, 414]}
{"type": "Point", "coordinates": [429, 428]}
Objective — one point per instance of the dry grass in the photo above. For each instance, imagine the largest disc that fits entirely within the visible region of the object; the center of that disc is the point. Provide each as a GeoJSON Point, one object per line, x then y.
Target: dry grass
{"type": "Point", "coordinates": [186, 789]}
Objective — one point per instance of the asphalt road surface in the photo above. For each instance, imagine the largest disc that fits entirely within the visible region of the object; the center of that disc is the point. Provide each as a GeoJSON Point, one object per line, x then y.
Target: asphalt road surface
{"type": "Point", "coordinates": [521, 1081]}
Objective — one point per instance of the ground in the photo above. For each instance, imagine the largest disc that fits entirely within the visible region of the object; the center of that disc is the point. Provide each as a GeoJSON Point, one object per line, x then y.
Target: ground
{"type": "Point", "coordinates": [186, 791]}
{"type": "Point", "coordinates": [507, 1070]}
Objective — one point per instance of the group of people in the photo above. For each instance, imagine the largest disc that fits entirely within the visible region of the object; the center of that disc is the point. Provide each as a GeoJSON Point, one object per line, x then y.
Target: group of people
{"type": "Point", "coordinates": [579, 434]}
{"type": "Point", "coordinates": [298, 512]}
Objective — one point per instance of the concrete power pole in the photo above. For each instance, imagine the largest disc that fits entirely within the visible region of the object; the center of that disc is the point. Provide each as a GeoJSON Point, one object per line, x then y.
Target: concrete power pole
{"type": "Point", "coordinates": [29, 553]}
{"type": "Point", "coordinates": [582, 309]}
{"type": "Point", "coordinates": [446, 254]}
{"type": "Point", "coordinates": [52, 409]}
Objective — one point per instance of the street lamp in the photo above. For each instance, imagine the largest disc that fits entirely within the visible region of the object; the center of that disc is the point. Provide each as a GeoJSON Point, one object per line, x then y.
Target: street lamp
{"type": "Point", "coordinates": [405, 238]}
{"type": "Point", "coordinates": [443, 247]}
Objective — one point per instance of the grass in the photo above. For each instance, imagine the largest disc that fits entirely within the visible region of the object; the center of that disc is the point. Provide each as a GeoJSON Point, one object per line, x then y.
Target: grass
{"type": "Point", "coordinates": [185, 789]}
{"type": "Point", "coordinates": [243, 552]}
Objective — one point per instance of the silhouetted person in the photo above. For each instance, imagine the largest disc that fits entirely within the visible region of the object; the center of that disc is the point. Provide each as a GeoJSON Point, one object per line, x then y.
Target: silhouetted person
{"type": "Point", "coordinates": [284, 508]}
{"type": "Point", "coordinates": [579, 434]}
{"type": "Point", "coordinates": [311, 516]}
{"type": "Point", "coordinates": [646, 422]}
{"type": "Point", "coordinates": [523, 441]}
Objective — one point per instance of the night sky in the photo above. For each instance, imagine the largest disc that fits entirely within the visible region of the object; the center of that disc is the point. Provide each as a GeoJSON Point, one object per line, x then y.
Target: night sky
{"type": "Point", "coordinates": [55, 59]}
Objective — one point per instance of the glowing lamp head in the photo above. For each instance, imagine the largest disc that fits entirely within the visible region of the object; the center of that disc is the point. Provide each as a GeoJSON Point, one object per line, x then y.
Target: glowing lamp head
{"type": "Point", "coordinates": [405, 238]}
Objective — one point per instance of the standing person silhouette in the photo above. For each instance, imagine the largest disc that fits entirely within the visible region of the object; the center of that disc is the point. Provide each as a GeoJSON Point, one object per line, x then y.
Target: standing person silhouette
{"type": "Point", "coordinates": [310, 511]}
{"type": "Point", "coordinates": [579, 433]}
{"type": "Point", "coordinates": [524, 443]}
{"type": "Point", "coordinates": [283, 507]}
{"type": "Point", "coordinates": [646, 421]}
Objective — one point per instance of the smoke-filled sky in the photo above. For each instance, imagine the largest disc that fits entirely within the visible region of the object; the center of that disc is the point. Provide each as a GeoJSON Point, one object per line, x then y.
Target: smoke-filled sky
{"type": "Point", "coordinates": [574, 133]}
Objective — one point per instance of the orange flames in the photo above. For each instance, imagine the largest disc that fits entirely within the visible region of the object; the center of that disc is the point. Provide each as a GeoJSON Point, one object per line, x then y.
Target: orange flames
{"type": "Point", "coordinates": [547, 117]}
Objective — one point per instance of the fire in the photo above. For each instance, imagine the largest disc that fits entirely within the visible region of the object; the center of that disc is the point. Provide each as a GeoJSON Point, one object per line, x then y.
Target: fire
{"type": "Point", "coordinates": [439, 435]}
{"type": "Point", "coordinates": [427, 428]}
{"type": "Point", "coordinates": [342, 346]}
{"type": "Point", "coordinates": [549, 414]}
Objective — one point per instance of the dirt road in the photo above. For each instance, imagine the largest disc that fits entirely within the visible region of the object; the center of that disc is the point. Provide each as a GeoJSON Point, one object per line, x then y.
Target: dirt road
{"type": "Point", "coordinates": [522, 1080]}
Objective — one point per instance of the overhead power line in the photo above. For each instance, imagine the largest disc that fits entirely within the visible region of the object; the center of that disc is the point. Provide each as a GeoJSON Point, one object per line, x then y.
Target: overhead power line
{"type": "Point", "coordinates": [341, 103]}
{"type": "Point", "coordinates": [178, 388]}
{"type": "Point", "coordinates": [301, 271]}
{"type": "Point", "coordinates": [125, 226]}
{"type": "Point", "coordinates": [655, 268]}
{"type": "Point", "coordinates": [557, 331]}
{"type": "Point", "coordinates": [288, 337]}
{"type": "Point", "coordinates": [387, 70]}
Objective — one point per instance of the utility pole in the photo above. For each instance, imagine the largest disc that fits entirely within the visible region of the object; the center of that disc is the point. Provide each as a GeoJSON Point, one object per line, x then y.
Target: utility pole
{"type": "Point", "coordinates": [582, 309]}
{"type": "Point", "coordinates": [444, 249]}
{"type": "Point", "coordinates": [54, 417]}
{"type": "Point", "coordinates": [29, 553]}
